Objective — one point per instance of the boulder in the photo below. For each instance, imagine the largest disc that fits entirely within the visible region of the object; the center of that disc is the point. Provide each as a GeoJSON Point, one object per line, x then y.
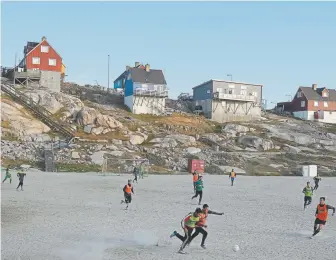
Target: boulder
{"type": "Point", "coordinates": [256, 142]}
{"type": "Point", "coordinates": [75, 155]}
{"type": "Point", "coordinates": [326, 142]}
{"type": "Point", "coordinates": [291, 149]}
{"type": "Point", "coordinates": [331, 136]}
{"type": "Point", "coordinates": [15, 121]}
{"type": "Point", "coordinates": [183, 139]}
{"type": "Point", "coordinates": [330, 148]}
{"type": "Point", "coordinates": [97, 130]}
{"type": "Point", "coordinates": [235, 128]}
{"type": "Point", "coordinates": [88, 129]}
{"type": "Point", "coordinates": [107, 121]}
{"type": "Point", "coordinates": [87, 116]}
{"type": "Point", "coordinates": [136, 139]}
{"type": "Point", "coordinates": [193, 150]}
{"type": "Point", "coordinates": [116, 153]}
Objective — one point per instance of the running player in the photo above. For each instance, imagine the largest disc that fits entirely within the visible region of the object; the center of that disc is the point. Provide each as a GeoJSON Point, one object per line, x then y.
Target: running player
{"type": "Point", "coordinates": [308, 192]}
{"type": "Point", "coordinates": [321, 215]}
{"type": "Point", "coordinates": [317, 179]}
{"type": "Point", "coordinates": [21, 176]}
{"type": "Point", "coordinates": [128, 190]}
{"type": "Point", "coordinates": [195, 179]}
{"type": "Point", "coordinates": [188, 224]}
{"type": "Point", "coordinates": [232, 176]}
{"type": "Point", "coordinates": [135, 172]}
{"type": "Point", "coordinates": [199, 189]}
{"type": "Point", "coordinates": [201, 225]}
{"type": "Point", "coordinates": [8, 175]}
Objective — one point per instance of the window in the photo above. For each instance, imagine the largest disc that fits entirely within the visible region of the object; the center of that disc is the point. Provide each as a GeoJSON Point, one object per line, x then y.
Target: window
{"type": "Point", "coordinates": [44, 48]}
{"type": "Point", "coordinates": [299, 94]}
{"type": "Point", "coordinates": [315, 103]}
{"type": "Point", "coordinates": [220, 90]}
{"type": "Point", "coordinates": [208, 91]}
{"type": "Point", "coordinates": [243, 87]}
{"type": "Point", "coordinates": [325, 94]}
{"type": "Point", "coordinates": [36, 60]}
{"type": "Point", "coordinates": [255, 94]}
{"type": "Point", "coordinates": [52, 62]}
{"type": "Point", "coordinates": [325, 104]}
{"type": "Point", "coordinates": [243, 92]}
{"type": "Point", "coordinates": [231, 91]}
{"type": "Point", "coordinates": [303, 103]}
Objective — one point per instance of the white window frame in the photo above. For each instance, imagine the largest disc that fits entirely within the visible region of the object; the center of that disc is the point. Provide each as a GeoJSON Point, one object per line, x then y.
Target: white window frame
{"type": "Point", "coordinates": [44, 48]}
{"type": "Point", "coordinates": [52, 64]}
{"type": "Point", "coordinates": [36, 60]}
{"type": "Point", "coordinates": [208, 91]}
{"type": "Point", "coordinates": [243, 92]}
{"type": "Point", "coordinates": [315, 103]}
{"type": "Point", "coordinates": [231, 91]}
{"type": "Point", "coordinates": [325, 94]}
{"type": "Point", "coordinates": [303, 103]}
{"type": "Point", "coordinates": [219, 90]}
{"type": "Point", "coordinates": [299, 94]}
{"type": "Point", "coordinates": [325, 103]}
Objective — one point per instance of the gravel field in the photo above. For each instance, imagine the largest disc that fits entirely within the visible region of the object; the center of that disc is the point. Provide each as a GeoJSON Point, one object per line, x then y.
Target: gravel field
{"type": "Point", "coordinates": [79, 216]}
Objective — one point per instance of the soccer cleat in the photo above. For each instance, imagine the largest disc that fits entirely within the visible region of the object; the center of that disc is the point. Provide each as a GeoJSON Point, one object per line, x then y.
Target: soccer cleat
{"type": "Point", "coordinates": [203, 246]}
{"type": "Point", "coordinates": [173, 234]}
{"type": "Point", "coordinates": [181, 252]}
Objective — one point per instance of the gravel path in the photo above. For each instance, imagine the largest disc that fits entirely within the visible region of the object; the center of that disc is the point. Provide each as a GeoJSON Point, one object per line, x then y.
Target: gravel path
{"type": "Point", "coordinates": [79, 216]}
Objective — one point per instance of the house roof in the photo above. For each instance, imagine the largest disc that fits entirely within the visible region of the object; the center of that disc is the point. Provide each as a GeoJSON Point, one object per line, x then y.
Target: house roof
{"type": "Point", "coordinates": [142, 76]}
{"type": "Point", "coordinates": [226, 81]}
{"type": "Point", "coordinates": [44, 40]}
{"type": "Point", "coordinates": [311, 94]}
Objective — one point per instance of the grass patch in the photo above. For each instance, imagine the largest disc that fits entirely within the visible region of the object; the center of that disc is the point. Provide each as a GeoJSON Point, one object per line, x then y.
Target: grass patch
{"type": "Point", "coordinates": [73, 167]}
{"type": "Point", "coordinates": [5, 124]}
{"type": "Point", "coordinates": [108, 136]}
{"type": "Point", "coordinates": [59, 113]}
{"type": "Point", "coordinates": [18, 162]}
{"type": "Point", "coordinates": [9, 137]}
{"type": "Point", "coordinates": [155, 169]}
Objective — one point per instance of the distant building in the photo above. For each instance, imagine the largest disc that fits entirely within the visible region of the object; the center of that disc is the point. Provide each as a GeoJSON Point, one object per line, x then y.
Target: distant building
{"type": "Point", "coordinates": [313, 103]}
{"type": "Point", "coordinates": [224, 101]}
{"type": "Point", "coordinates": [145, 89]}
{"type": "Point", "coordinates": [41, 64]}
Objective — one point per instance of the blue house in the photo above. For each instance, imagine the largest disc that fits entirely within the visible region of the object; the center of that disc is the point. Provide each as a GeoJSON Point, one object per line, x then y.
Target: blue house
{"type": "Point", "coordinates": [145, 89]}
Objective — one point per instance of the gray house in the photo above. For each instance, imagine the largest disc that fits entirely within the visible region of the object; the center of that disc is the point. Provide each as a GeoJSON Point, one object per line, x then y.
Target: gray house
{"type": "Point", "coordinates": [224, 101]}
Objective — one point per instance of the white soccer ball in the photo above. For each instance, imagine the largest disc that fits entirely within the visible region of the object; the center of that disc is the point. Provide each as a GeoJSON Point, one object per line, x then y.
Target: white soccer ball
{"type": "Point", "coordinates": [235, 248]}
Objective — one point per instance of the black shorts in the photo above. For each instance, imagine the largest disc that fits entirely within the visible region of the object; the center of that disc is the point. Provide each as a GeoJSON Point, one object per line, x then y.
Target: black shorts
{"type": "Point", "coordinates": [128, 198]}
{"type": "Point", "coordinates": [307, 198]}
{"type": "Point", "coordinates": [199, 192]}
{"type": "Point", "coordinates": [320, 222]}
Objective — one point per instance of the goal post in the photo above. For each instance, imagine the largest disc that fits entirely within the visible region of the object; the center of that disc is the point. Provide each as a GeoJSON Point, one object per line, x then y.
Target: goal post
{"type": "Point", "coordinates": [118, 166]}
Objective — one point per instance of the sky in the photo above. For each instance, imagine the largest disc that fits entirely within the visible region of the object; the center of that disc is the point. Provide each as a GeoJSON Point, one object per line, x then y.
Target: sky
{"type": "Point", "coordinates": [281, 45]}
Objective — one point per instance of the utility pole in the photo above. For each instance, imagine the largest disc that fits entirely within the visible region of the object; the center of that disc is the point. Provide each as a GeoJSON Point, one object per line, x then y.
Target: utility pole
{"type": "Point", "coordinates": [108, 71]}
{"type": "Point", "coordinates": [14, 71]}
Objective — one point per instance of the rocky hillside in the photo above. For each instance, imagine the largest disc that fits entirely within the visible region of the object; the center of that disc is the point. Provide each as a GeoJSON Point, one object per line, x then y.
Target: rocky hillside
{"type": "Point", "coordinates": [273, 145]}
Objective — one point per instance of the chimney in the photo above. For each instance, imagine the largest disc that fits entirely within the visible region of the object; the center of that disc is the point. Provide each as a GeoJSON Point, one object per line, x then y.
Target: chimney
{"type": "Point", "coordinates": [314, 87]}
{"type": "Point", "coordinates": [137, 64]}
{"type": "Point", "coordinates": [147, 67]}
{"type": "Point", "coordinates": [127, 68]}
{"type": "Point", "coordinates": [44, 38]}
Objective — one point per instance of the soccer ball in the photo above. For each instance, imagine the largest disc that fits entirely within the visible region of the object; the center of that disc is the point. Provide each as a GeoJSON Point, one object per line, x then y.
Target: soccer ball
{"type": "Point", "coordinates": [235, 248]}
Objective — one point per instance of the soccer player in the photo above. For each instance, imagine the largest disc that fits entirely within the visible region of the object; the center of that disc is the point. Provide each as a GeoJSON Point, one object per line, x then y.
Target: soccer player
{"type": "Point", "coordinates": [8, 175]}
{"type": "Point", "coordinates": [21, 176]}
{"type": "Point", "coordinates": [128, 190]}
{"type": "Point", "coordinates": [199, 189]}
{"type": "Point", "coordinates": [308, 192]}
{"type": "Point", "coordinates": [317, 179]}
{"type": "Point", "coordinates": [195, 179]}
{"type": "Point", "coordinates": [188, 224]}
{"type": "Point", "coordinates": [201, 224]}
{"type": "Point", "coordinates": [321, 215]}
{"type": "Point", "coordinates": [232, 176]}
